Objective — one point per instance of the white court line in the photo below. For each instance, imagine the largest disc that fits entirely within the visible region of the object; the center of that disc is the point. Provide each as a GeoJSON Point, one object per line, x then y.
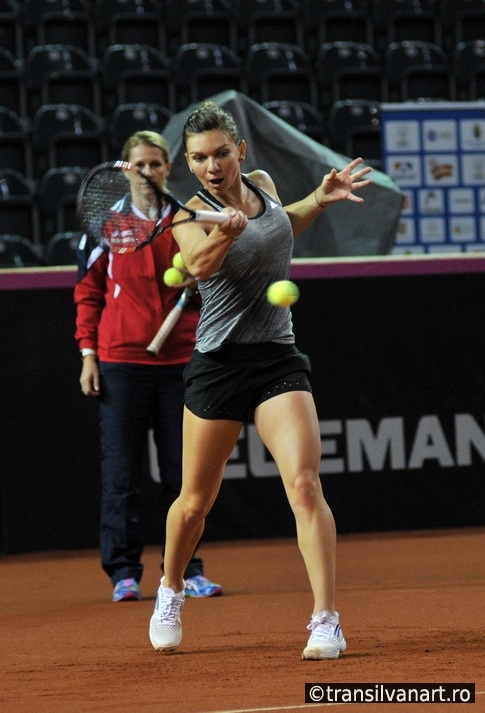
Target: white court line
{"type": "Point", "coordinates": [304, 706]}
{"type": "Point", "coordinates": [282, 708]}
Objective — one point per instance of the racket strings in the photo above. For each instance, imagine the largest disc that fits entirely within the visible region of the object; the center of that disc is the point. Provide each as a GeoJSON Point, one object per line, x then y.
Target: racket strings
{"type": "Point", "coordinates": [110, 217]}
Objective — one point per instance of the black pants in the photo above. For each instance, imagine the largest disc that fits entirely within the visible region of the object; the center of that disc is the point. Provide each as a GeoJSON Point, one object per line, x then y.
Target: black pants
{"type": "Point", "coordinates": [135, 398]}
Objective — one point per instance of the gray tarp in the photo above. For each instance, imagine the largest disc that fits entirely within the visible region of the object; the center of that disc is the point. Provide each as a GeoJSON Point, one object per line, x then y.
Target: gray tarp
{"type": "Point", "coordinates": [297, 164]}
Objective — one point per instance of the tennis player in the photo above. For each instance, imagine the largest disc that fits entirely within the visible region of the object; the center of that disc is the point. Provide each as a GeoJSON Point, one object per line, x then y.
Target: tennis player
{"type": "Point", "coordinates": [246, 362]}
{"type": "Point", "coordinates": [121, 301]}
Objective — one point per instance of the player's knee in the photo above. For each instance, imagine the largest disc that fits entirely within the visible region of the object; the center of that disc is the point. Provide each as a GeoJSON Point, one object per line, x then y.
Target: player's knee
{"type": "Point", "coordinates": [195, 510]}
{"type": "Point", "coordinates": [305, 490]}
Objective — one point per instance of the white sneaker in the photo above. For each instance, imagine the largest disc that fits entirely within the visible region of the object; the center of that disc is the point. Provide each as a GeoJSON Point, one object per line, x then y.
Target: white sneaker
{"type": "Point", "coordinates": [326, 640]}
{"type": "Point", "coordinates": [165, 624]}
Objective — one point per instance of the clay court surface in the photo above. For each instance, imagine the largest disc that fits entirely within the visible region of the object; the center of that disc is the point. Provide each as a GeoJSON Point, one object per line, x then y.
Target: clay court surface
{"type": "Point", "coordinates": [412, 608]}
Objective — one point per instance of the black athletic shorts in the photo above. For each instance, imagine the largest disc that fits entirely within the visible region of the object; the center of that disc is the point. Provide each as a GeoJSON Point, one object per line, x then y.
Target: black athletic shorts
{"type": "Point", "coordinates": [231, 382]}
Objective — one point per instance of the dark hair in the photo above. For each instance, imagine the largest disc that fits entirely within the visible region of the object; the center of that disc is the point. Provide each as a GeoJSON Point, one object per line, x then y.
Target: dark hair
{"type": "Point", "coordinates": [210, 117]}
{"type": "Point", "coordinates": [146, 138]}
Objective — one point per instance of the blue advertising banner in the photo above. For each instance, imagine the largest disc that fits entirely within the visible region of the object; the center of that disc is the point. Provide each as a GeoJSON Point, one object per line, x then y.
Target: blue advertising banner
{"type": "Point", "coordinates": [435, 152]}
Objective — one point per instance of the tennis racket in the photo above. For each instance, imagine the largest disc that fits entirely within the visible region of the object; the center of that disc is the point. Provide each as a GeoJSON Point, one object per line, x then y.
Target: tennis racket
{"type": "Point", "coordinates": [120, 207]}
{"type": "Point", "coordinates": [169, 322]}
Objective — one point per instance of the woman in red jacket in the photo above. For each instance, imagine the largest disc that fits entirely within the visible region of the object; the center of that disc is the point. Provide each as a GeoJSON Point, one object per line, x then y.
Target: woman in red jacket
{"type": "Point", "coordinates": [121, 301]}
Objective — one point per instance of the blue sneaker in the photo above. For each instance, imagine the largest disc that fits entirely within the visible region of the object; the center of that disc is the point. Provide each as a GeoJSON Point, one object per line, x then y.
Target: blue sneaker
{"type": "Point", "coordinates": [126, 590]}
{"type": "Point", "coordinates": [201, 587]}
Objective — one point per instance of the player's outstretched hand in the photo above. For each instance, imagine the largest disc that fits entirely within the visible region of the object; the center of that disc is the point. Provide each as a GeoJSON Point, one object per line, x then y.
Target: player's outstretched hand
{"type": "Point", "coordinates": [339, 185]}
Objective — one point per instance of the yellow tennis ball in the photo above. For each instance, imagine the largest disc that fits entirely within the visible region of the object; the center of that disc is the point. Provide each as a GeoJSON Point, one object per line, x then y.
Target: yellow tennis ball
{"type": "Point", "coordinates": [282, 293]}
{"type": "Point", "coordinates": [178, 261]}
{"type": "Point", "coordinates": [172, 277]}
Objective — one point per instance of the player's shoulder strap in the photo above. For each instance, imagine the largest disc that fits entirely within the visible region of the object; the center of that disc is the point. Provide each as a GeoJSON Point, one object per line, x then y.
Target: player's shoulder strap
{"type": "Point", "coordinates": [208, 198]}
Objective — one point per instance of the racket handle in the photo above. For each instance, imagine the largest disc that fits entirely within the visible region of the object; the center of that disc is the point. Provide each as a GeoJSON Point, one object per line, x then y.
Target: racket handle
{"type": "Point", "coordinates": [210, 216]}
{"type": "Point", "coordinates": [162, 334]}
{"type": "Point", "coordinates": [169, 323]}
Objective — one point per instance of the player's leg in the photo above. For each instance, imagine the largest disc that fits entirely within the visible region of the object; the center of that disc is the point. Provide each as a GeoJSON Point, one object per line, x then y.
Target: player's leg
{"type": "Point", "coordinates": [207, 447]}
{"type": "Point", "coordinates": [288, 426]}
{"type": "Point", "coordinates": [167, 432]}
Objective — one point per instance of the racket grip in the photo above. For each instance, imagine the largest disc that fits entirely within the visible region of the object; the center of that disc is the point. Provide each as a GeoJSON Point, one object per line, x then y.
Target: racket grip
{"type": "Point", "coordinates": [169, 323]}
{"type": "Point", "coordinates": [160, 337]}
{"type": "Point", "coordinates": [210, 216]}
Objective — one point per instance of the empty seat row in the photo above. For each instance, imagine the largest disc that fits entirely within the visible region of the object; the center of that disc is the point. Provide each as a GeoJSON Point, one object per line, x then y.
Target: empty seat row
{"type": "Point", "coordinates": [165, 24]}
{"type": "Point", "coordinates": [70, 135]}
{"type": "Point", "coordinates": [38, 210]}
{"type": "Point", "coordinates": [62, 131]}
{"type": "Point", "coordinates": [17, 251]}
{"type": "Point", "coordinates": [59, 133]}
{"type": "Point", "coordinates": [271, 71]}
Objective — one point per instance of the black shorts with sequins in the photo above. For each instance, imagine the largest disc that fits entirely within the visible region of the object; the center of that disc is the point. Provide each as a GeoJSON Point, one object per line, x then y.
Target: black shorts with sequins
{"type": "Point", "coordinates": [232, 382]}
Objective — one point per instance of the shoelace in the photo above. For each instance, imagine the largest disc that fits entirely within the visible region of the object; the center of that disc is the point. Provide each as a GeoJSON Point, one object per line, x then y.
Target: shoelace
{"type": "Point", "coordinates": [323, 620]}
{"type": "Point", "coordinates": [171, 610]}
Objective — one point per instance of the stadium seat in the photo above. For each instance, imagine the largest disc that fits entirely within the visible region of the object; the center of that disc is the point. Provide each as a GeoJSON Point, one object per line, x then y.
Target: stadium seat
{"type": "Point", "coordinates": [398, 20]}
{"type": "Point", "coordinates": [11, 31]}
{"type": "Point", "coordinates": [190, 21]}
{"type": "Point", "coordinates": [57, 192]}
{"type": "Point", "coordinates": [468, 67]}
{"type": "Point", "coordinates": [202, 69]}
{"type": "Point", "coordinates": [270, 21]}
{"type": "Point", "coordinates": [277, 70]}
{"type": "Point", "coordinates": [464, 20]}
{"type": "Point", "coordinates": [337, 21]}
{"type": "Point", "coordinates": [18, 206]}
{"type": "Point", "coordinates": [133, 73]}
{"type": "Point", "coordinates": [349, 70]}
{"type": "Point", "coordinates": [67, 135]}
{"type": "Point", "coordinates": [13, 94]}
{"type": "Point", "coordinates": [354, 129]}
{"type": "Point", "coordinates": [15, 142]}
{"type": "Point", "coordinates": [417, 70]}
{"type": "Point", "coordinates": [61, 248]}
{"type": "Point", "coordinates": [61, 73]}
{"type": "Point", "coordinates": [300, 115]}
{"type": "Point", "coordinates": [66, 22]}
{"type": "Point", "coordinates": [129, 22]}
{"type": "Point", "coordinates": [129, 118]}
{"type": "Point", "coordinates": [17, 251]}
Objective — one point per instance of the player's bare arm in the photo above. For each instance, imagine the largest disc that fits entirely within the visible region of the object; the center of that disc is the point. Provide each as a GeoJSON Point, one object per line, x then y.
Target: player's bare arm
{"type": "Point", "coordinates": [335, 186]}
{"type": "Point", "coordinates": [203, 246]}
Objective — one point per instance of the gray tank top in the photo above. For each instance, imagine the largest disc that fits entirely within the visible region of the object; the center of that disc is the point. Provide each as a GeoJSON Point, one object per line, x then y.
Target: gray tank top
{"type": "Point", "coordinates": [234, 305]}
